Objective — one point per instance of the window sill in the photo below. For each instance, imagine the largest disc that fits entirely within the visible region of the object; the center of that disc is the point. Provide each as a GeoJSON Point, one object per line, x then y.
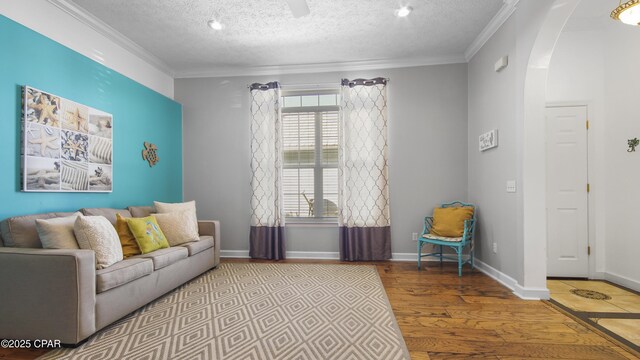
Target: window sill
{"type": "Point", "coordinates": [311, 222]}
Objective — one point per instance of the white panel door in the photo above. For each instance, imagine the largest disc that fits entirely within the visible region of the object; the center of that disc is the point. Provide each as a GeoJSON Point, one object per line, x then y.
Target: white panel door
{"type": "Point", "coordinates": [567, 196]}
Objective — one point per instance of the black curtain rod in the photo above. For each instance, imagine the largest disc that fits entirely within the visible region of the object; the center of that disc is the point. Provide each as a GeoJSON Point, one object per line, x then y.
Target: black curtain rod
{"type": "Point", "coordinates": [263, 87]}
{"type": "Point", "coordinates": [365, 82]}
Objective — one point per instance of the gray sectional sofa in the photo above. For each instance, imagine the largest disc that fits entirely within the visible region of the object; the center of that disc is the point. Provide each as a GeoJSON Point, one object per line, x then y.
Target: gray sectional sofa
{"type": "Point", "coordinates": [59, 295]}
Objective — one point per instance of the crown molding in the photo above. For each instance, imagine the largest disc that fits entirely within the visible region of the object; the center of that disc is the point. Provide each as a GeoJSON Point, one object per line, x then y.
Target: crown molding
{"type": "Point", "coordinates": [319, 68]}
{"type": "Point", "coordinates": [508, 7]}
{"type": "Point", "coordinates": [112, 34]}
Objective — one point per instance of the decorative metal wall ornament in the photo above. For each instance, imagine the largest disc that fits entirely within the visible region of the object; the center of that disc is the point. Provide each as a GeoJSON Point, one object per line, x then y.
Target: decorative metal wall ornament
{"type": "Point", "coordinates": [66, 146]}
{"type": "Point", "coordinates": [488, 140]}
{"type": "Point", "coordinates": [632, 144]}
{"type": "Point", "coordinates": [150, 153]}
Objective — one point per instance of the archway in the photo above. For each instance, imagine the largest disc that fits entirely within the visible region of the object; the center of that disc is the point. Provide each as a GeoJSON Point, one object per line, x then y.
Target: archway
{"type": "Point", "coordinates": [533, 155]}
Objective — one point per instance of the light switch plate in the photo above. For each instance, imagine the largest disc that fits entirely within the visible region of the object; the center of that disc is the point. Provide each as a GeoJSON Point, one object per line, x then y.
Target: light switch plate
{"type": "Point", "coordinates": [511, 186]}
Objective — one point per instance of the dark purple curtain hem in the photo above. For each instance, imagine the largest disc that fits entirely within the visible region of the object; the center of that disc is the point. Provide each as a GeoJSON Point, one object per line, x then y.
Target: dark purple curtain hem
{"type": "Point", "coordinates": [365, 243]}
{"type": "Point", "coordinates": [267, 242]}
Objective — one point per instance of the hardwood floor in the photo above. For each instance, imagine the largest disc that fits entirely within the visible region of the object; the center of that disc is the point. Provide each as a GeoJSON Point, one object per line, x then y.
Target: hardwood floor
{"type": "Point", "coordinates": [442, 316]}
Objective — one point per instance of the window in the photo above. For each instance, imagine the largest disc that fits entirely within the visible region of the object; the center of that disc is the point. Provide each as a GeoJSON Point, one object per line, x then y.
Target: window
{"type": "Point", "coordinates": [310, 139]}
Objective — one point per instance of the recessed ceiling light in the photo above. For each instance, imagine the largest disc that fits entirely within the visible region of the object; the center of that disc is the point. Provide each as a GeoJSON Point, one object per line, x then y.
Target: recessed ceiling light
{"type": "Point", "coordinates": [214, 24]}
{"type": "Point", "coordinates": [404, 11]}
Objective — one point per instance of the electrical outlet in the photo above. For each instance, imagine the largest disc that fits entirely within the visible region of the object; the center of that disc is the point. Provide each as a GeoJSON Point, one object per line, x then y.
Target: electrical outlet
{"type": "Point", "coordinates": [414, 236]}
{"type": "Point", "coordinates": [495, 247]}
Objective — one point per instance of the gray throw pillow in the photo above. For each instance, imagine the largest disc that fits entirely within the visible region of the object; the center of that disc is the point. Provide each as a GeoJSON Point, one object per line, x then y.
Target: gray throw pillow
{"type": "Point", "coordinates": [57, 233]}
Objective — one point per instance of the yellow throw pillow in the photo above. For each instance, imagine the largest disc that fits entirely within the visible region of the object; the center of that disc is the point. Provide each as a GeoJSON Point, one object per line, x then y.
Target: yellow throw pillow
{"type": "Point", "coordinates": [147, 233]}
{"type": "Point", "coordinates": [127, 240]}
{"type": "Point", "coordinates": [449, 222]}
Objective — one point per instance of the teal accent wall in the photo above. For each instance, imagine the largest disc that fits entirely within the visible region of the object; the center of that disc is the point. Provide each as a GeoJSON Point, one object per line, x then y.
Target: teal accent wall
{"type": "Point", "coordinates": [139, 114]}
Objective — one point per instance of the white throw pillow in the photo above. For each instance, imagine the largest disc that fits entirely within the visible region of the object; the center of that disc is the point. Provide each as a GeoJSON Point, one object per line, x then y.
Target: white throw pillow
{"type": "Point", "coordinates": [177, 227]}
{"type": "Point", "coordinates": [163, 208]}
{"type": "Point", "coordinates": [57, 233]}
{"type": "Point", "coordinates": [98, 234]}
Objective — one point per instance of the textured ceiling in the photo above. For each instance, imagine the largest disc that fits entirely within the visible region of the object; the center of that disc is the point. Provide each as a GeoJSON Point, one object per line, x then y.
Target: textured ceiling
{"type": "Point", "coordinates": [264, 33]}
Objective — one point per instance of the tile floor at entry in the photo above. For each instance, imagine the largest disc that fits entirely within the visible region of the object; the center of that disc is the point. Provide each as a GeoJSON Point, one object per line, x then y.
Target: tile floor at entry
{"type": "Point", "coordinates": [619, 314]}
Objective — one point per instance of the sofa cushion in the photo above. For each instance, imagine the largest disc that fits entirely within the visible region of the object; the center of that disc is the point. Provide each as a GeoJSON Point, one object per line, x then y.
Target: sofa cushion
{"type": "Point", "coordinates": [195, 247]}
{"type": "Point", "coordinates": [122, 272]}
{"type": "Point", "coordinates": [57, 233]}
{"type": "Point", "coordinates": [109, 213]}
{"type": "Point", "coordinates": [190, 206]}
{"type": "Point", "coordinates": [165, 257]}
{"type": "Point", "coordinates": [141, 211]}
{"type": "Point", "coordinates": [127, 240]}
{"type": "Point", "coordinates": [178, 227]}
{"type": "Point", "coordinates": [20, 231]}
{"type": "Point", "coordinates": [148, 234]}
{"type": "Point", "coordinates": [96, 233]}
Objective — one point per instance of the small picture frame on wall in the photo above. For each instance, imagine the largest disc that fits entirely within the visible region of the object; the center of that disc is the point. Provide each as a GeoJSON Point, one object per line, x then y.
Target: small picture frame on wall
{"type": "Point", "coordinates": [66, 146]}
{"type": "Point", "coordinates": [488, 140]}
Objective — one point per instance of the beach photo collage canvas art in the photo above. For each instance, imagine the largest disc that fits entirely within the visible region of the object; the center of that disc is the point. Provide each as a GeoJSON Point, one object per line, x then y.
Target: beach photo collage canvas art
{"type": "Point", "coordinates": [67, 147]}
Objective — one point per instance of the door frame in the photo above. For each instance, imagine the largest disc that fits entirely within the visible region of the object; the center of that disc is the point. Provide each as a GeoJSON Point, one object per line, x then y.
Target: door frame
{"type": "Point", "coordinates": [592, 179]}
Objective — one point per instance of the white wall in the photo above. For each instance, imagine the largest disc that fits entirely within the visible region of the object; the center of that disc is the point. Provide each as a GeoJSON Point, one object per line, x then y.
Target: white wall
{"type": "Point", "coordinates": [427, 150]}
{"type": "Point", "coordinates": [513, 102]}
{"type": "Point", "coordinates": [623, 168]}
{"type": "Point", "coordinates": [56, 24]}
{"type": "Point", "coordinates": [489, 170]}
{"type": "Point", "coordinates": [599, 65]}
{"type": "Point", "coordinates": [577, 76]}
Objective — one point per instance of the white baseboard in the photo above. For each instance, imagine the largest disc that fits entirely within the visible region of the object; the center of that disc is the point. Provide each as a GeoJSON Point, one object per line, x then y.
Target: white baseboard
{"type": "Point", "coordinates": [242, 254]}
{"type": "Point", "coordinates": [313, 255]}
{"type": "Point", "coordinates": [597, 275]}
{"type": "Point", "coordinates": [511, 283]}
{"type": "Point", "coordinates": [622, 280]}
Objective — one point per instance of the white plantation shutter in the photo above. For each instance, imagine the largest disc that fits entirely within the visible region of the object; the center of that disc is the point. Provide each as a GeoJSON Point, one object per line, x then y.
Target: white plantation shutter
{"type": "Point", "coordinates": [310, 146]}
{"type": "Point", "coordinates": [299, 161]}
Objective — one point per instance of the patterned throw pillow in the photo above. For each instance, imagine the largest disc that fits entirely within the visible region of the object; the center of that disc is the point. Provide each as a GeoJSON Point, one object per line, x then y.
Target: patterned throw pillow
{"type": "Point", "coordinates": [57, 233]}
{"type": "Point", "coordinates": [163, 208]}
{"type": "Point", "coordinates": [98, 234]}
{"type": "Point", "coordinates": [127, 240]}
{"type": "Point", "coordinates": [148, 234]}
{"type": "Point", "coordinates": [177, 227]}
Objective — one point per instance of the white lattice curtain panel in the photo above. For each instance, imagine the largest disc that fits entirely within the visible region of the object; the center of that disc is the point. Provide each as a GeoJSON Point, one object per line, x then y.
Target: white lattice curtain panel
{"type": "Point", "coordinates": [266, 239]}
{"type": "Point", "coordinates": [363, 196]}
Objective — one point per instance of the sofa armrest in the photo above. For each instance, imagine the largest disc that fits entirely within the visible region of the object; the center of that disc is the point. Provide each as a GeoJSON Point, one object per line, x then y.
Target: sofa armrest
{"type": "Point", "coordinates": [211, 228]}
{"type": "Point", "coordinates": [47, 294]}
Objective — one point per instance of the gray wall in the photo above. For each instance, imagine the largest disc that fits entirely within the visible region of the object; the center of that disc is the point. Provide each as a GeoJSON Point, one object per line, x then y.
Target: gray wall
{"type": "Point", "coordinates": [497, 101]}
{"type": "Point", "coordinates": [427, 150]}
{"type": "Point", "coordinates": [489, 170]}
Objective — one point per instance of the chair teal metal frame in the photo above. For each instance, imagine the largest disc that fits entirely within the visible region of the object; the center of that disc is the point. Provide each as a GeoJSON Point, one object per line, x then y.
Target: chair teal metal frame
{"type": "Point", "coordinates": [458, 246]}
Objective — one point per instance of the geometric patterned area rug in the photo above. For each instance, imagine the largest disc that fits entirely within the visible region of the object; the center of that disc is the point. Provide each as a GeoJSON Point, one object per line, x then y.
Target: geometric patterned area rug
{"type": "Point", "coordinates": [258, 311]}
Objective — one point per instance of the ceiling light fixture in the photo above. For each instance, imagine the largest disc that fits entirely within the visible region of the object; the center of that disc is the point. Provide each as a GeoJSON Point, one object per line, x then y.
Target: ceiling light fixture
{"type": "Point", "coordinates": [214, 24]}
{"type": "Point", "coordinates": [628, 13]}
{"type": "Point", "coordinates": [406, 10]}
